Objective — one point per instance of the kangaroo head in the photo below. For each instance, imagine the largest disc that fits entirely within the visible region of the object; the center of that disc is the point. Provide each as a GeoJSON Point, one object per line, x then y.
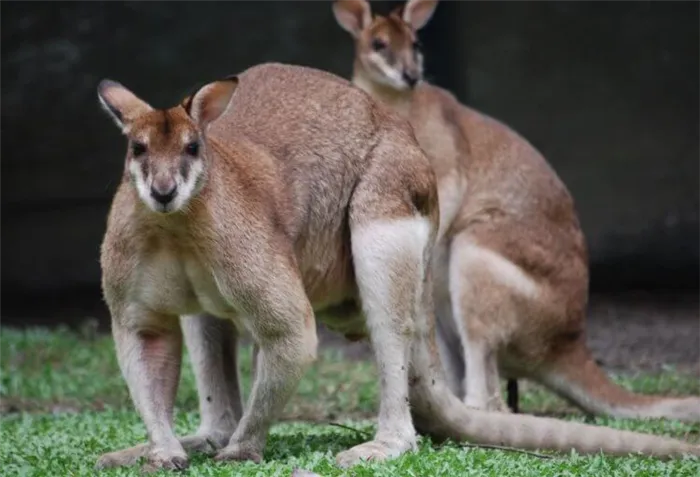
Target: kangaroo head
{"type": "Point", "coordinates": [166, 159]}
{"type": "Point", "coordinates": [387, 47]}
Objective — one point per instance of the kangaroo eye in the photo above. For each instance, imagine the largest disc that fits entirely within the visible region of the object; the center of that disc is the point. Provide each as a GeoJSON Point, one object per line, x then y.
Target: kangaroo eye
{"type": "Point", "coordinates": [378, 44]}
{"type": "Point", "coordinates": [192, 148]}
{"type": "Point", "coordinates": [137, 149]}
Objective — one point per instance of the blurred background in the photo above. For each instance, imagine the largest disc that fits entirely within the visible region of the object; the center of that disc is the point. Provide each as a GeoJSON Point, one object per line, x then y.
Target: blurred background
{"type": "Point", "coordinates": [608, 91]}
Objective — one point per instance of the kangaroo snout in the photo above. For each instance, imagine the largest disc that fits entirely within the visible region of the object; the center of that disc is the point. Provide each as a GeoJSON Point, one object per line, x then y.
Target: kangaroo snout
{"type": "Point", "coordinates": [163, 191]}
{"type": "Point", "coordinates": [410, 78]}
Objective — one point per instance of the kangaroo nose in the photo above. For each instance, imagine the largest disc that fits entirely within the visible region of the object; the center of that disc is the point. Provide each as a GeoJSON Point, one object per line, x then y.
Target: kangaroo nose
{"type": "Point", "coordinates": [163, 193]}
{"type": "Point", "coordinates": [410, 79]}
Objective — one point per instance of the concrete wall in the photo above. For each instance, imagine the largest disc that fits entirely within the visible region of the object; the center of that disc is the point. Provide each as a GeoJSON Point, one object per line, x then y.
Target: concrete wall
{"type": "Point", "coordinates": [609, 92]}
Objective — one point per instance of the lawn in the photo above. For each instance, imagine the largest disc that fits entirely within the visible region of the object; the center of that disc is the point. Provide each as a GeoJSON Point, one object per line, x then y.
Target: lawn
{"type": "Point", "coordinates": [64, 403]}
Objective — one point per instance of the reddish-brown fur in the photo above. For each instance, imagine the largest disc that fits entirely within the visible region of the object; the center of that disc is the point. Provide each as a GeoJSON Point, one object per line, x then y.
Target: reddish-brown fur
{"type": "Point", "coordinates": [512, 271]}
{"type": "Point", "coordinates": [303, 194]}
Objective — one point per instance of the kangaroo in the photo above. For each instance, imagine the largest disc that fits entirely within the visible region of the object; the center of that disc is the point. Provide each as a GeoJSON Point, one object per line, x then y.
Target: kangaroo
{"type": "Point", "coordinates": [511, 273]}
{"type": "Point", "coordinates": [265, 200]}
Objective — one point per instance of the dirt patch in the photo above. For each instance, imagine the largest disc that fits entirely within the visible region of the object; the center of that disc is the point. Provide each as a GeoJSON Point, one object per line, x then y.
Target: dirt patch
{"type": "Point", "coordinates": [646, 332]}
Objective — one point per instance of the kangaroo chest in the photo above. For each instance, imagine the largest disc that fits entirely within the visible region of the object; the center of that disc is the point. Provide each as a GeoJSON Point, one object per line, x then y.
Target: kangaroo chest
{"type": "Point", "coordinates": [179, 284]}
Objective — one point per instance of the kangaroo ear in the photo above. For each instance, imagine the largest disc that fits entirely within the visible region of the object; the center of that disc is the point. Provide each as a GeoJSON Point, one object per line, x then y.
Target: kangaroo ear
{"type": "Point", "coordinates": [210, 101]}
{"type": "Point", "coordinates": [417, 12]}
{"type": "Point", "coordinates": [353, 15]}
{"type": "Point", "coordinates": [120, 103]}
{"type": "Point", "coordinates": [186, 103]}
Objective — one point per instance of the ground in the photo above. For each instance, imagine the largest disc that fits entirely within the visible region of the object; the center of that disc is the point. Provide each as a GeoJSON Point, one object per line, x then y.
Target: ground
{"type": "Point", "coordinates": [63, 403]}
{"type": "Point", "coordinates": [631, 331]}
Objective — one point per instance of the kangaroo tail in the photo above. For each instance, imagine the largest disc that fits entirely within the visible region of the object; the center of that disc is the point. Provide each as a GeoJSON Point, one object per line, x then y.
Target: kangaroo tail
{"type": "Point", "coordinates": [441, 414]}
{"type": "Point", "coordinates": [576, 377]}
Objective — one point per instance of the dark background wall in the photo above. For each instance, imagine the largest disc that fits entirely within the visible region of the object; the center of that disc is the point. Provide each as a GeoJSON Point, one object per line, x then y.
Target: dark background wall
{"type": "Point", "coordinates": [607, 90]}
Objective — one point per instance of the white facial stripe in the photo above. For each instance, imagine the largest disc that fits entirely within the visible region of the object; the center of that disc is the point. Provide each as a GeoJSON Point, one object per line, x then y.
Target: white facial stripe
{"type": "Point", "coordinates": [392, 76]}
{"type": "Point", "coordinates": [186, 137]}
{"type": "Point", "coordinates": [143, 139]}
{"type": "Point", "coordinates": [187, 186]}
{"type": "Point", "coordinates": [140, 181]}
{"type": "Point", "coordinates": [419, 61]}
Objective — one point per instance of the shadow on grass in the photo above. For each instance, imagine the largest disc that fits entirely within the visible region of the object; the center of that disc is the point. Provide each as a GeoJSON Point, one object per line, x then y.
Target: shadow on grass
{"type": "Point", "coordinates": [282, 447]}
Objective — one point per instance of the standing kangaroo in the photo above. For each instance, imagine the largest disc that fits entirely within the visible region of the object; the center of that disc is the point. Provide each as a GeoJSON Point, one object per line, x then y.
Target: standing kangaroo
{"type": "Point", "coordinates": [265, 200]}
{"type": "Point", "coordinates": [511, 273]}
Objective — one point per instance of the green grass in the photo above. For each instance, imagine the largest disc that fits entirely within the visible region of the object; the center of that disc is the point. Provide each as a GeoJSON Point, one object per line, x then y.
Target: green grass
{"type": "Point", "coordinates": [64, 403]}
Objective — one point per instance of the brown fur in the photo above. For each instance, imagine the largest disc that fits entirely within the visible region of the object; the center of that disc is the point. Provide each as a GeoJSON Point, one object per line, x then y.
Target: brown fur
{"type": "Point", "coordinates": [305, 194]}
{"type": "Point", "coordinates": [499, 199]}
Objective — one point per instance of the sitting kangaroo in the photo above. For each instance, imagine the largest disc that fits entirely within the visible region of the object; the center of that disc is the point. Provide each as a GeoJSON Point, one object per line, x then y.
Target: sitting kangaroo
{"type": "Point", "coordinates": [511, 271]}
{"type": "Point", "coordinates": [262, 201]}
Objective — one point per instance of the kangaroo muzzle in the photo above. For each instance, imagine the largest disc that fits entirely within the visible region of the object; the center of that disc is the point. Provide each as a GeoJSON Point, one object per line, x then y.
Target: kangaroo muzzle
{"type": "Point", "coordinates": [163, 189]}
{"type": "Point", "coordinates": [410, 78]}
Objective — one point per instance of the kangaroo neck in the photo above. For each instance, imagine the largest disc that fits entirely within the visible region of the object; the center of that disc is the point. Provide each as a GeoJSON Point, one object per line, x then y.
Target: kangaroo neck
{"type": "Point", "coordinates": [399, 101]}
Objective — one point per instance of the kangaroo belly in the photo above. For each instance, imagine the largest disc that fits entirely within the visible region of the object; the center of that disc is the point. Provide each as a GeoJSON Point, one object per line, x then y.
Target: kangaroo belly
{"type": "Point", "coordinates": [324, 260]}
{"type": "Point", "coordinates": [329, 282]}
